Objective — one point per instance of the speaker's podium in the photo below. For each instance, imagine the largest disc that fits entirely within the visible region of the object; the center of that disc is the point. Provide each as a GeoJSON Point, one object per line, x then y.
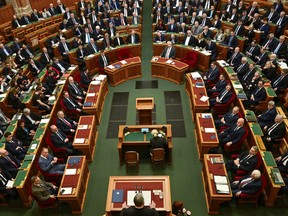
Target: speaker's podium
{"type": "Point", "coordinates": [144, 107]}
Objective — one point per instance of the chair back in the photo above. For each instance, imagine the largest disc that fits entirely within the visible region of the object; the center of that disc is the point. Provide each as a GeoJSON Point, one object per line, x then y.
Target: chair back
{"type": "Point", "coordinates": [124, 53]}
{"type": "Point", "coordinates": [158, 156]}
{"type": "Point", "coordinates": [58, 152]}
{"type": "Point", "coordinates": [132, 159]}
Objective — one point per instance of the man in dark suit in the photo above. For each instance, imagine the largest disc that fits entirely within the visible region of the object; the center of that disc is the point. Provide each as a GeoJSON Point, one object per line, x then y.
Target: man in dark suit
{"type": "Point", "coordinates": [239, 29]}
{"type": "Point", "coordinates": [233, 16]}
{"type": "Point", "coordinates": [252, 50]}
{"type": "Point", "coordinates": [86, 36]}
{"type": "Point", "coordinates": [280, 83]}
{"type": "Point", "coordinates": [228, 119]}
{"type": "Point", "coordinates": [35, 67]}
{"type": "Point", "coordinates": [270, 42]}
{"type": "Point", "coordinates": [48, 163]}
{"type": "Point", "coordinates": [25, 20]}
{"type": "Point", "coordinates": [60, 140]}
{"type": "Point", "coordinates": [9, 163]}
{"type": "Point", "coordinates": [248, 184]}
{"type": "Point", "coordinates": [60, 7]}
{"type": "Point", "coordinates": [118, 40]}
{"type": "Point", "coordinates": [262, 57]}
{"type": "Point", "coordinates": [73, 20]}
{"type": "Point", "coordinates": [122, 20]}
{"type": "Point", "coordinates": [16, 22]}
{"type": "Point", "coordinates": [231, 41]}
{"type": "Point", "coordinates": [270, 14]}
{"type": "Point", "coordinates": [232, 134]}
{"type": "Point", "coordinates": [245, 161]}
{"type": "Point", "coordinates": [111, 30]}
{"type": "Point", "coordinates": [158, 141]}
{"type": "Point", "coordinates": [205, 21]}
{"type": "Point", "coordinates": [246, 77]}
{"type": "Point", "coordinates": [219, 86]}
{"type": "Point", "coordinates": [189, 40]}
{"type": "Point", "coordinates": [212, 75]}
{"type": "Point", "coordinates": [75, 90]}
{"type": "Point", "coordinates": [85, 79]}
{"type": "Point", "coordinates": [4, 121]}
{"type": "Point", "coordinates": [5, 51]}
{"type": "Point", "coordinates": [133, 38]}
{"type": "Point", "coordinates": [169, 51]}
{"type": "Point", "coordinates": [53, 11]}
{"type": "Point", "coordinates": [235, 58]}
{"type": "Point", "coordinates": [211, 47]}
{"type": "Point", "coordinates": [281, 22]}
{"type": "Point", "coordinates": [282, 163]}
{"type": "Point", "coordinates": [267, 117]}
{"type": "Point", "coordinates": [139, 208]}
{"type": "Point", "coordinates": [60, 65]}
{"type": "Point", "coordinates": [159, 37]}
{"type": "Point", "coordinates": [280, 48]}
{"type": "Point", "coordinates": [258, 95]}
{"type": "Point", "coordinates": [35, 16]}
{"type": "Point", "coordinates": [11, 192]}
{"type": "Point", "coordinates": [14, 146]}
{"type": "Point", "coordinates": [252, 9]}
{"type": "Point", "coordinates": [70, 103]}
{"type": "Point", "coordinates": [65, 124]}
{"type": "Point", "coordinates": [81, 5]}
{"type": "Point", "coordinates": [172, 27]}
{"type": "Point", "coordinates": [27, 52]}
{"type": "Point", "coordinates": [103, 60]}
{"type": "Point", "coordinates": [16, 45]}
{"type": "Point", "coordinates": [92, 47]}
{"type": "Point", "coordinates": [31, 120]}
{"type": "Point", "coordinates": [64, 48]}
{"type": "Point", "coordinates": [45, 58]}
{"type": "Point", "coordinates": [274, 132]}
{"type": "Point", "coordinates": [223, 97]}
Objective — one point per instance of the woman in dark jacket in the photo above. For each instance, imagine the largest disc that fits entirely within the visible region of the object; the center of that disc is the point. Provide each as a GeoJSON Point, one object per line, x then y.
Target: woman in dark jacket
{"type": "Point", "coordinates": [23, 133]}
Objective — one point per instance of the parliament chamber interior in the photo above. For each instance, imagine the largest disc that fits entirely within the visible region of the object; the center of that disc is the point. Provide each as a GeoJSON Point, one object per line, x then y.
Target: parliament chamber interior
{"type": "Point", "coordinates": [179, 100]}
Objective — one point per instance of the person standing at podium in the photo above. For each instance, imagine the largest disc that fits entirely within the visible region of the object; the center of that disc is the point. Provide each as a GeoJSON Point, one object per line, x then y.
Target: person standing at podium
{"type": "Point", "coordinates": [139, 208]}
{"type": "Point", "coordinates": [169, 51]}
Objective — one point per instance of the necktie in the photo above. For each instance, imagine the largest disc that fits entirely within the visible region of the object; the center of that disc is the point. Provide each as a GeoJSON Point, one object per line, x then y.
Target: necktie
{"type": "Point", "coordinates": [94, 18]}
{"type": "Point", "coordinates": [94, 47]}
{"type": "Point", "coordinates": [35, 67]}
{"type": "Point", "coordinates": [251, 11]}
{"type": "Point", "coordinates": [234, 55]}
{"type": "Point", "coordinates": [74, 21]}
{"type": "Point", "coordinates": [3, 179]}
{"type": "Point", "coordinates": [105, 61]}
{"type": "Point", "coordinates": [135, 20]}
{"type": "Point", "coordinates": [61, 67]}
{"type": "Point", "coordinates": [132, 39]}
{"type": "Point", "coordinates": [60, 135]}
{"type": "Point", "coordinates": [27, 21]}
{"type": "Point", "coordinates": [210, 74]}
{"type": "Point", "coordinates": [30, 119]}
{"type": "Point", "coordinates": [75, 88]}
{"type": "Point", "coordinates": [207, 5]}
{"type": "Point", "coordinates": [62, 9]}
{"type": "Point", "coordinates": [257, 91]}
{"type": "Point", "coordinates": [277, 81]}
{"type": "Point", "coordinates": [246, 158]}
{"type": "Point", "coordinates": [118, 40]}
{"type": "Point", "coordinates": [270, 15]}
{"type": "Point", "coordinates": [237, 29]}
{"type": "Point", "coordinates": [285, 160]}
{"type": "Point", "coordinates": [230, 41]}
{"type": "Point", "coordinates": [115, 6]}
{"type": "Point", "coordinates": [17, 23]}
{"type": "Point", "coordinates": [272, 128]}
{"type": "Point", "coordinates": [168, 52]}
{"type": "Point", "coordinates": [125, 12]}
{"type": "Point", "coordinates": [122, 22]}
{"type": "Point", "coordinates": [279, 21]}
{"type": "Point", "coordinates": [11, 161]}
{"type": "Point", "coordinates": [87, 38]}
{"type": "Point", "coordinates": [5, 51]}
{"type": "Point", "coordinates": [3, 117]}
{"type": "Point", "coordinates": [223, 95]}
{"type": "Point", "coordinates": [277, 48]}
{"type": "Point", "coordinates": [245, 182]}
{"type": "Point", "coordinates": [187, 41]}
{"type": "Point", "coordinates": [90, 28]}
{"type": "Point", "coordinates": [251, 49]}
{"type": "Point", "coordinates": [65, 47]}
{"type": "Point", "coordinates": [47, 57]}
{"type": "Point", "coordinates": [71, 102]}
{"type": "Point", "coordinates": [29, 53]}
{"type": "Point", "coordinates": [236, 128]}
{"type": "Point", "coordinates": [66, 122]}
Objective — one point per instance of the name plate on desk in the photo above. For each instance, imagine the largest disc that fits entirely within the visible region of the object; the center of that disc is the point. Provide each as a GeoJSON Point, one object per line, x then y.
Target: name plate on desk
{"type": "Point", "coordinates": [82, 127]}
{"type": "Point", "coordinates": [79, 140]}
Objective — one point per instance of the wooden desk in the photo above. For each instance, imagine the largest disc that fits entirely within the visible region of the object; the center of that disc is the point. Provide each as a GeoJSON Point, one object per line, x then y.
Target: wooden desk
{"type": "Point", "coordinates": [173, 72]}
{"type": "Point", "coordinates": [112, 55]}
{"type": "Point", "coordinates": [205, 141]}
{"type": "Point", "coordinates": [87, 130]}
{"type": "Point", "coordinates": [272, 188]}
{"type": "Point", "coordinates": [130, 70]}
{"type": "Point", "coordinates": [213, 199]}
{"type": "Point", "coordinates": [149, 183]}
{"type": "Point", "coordinates": [100, 92]}
{"type": "Point", "coordinates": [136, 140]}
{"type": "Point", "coordinates": [181, 51]}
{"type": "Point", "coordinates": [197, 106]}
{"type": "Point", "coordinates": [78, 183]}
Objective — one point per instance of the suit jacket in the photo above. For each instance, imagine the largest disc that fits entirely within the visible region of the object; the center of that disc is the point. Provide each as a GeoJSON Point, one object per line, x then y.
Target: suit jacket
{"type": "Point", "coordinates": [53, 11]}
{"type": "Point", "coordinates": [263, 59]}
{"type": "Point", "coordinates": [241, 30]}
{"type": "Point", "coordinates": [16, 46]}
{"type": "Point", "coordinates": [271, 44]}
{"type": "Point", "coordinates": [158, 142]}
{"type": "Point", "coordinates": [252, 187]}
{"type": "Point", "coordinates": [8, 166]}
{"type": "Point", "coordinates": [232, 135]}
{"type": "Point", "coordinates": [274, 15]}
{"type": "Point", "coordinates": [192, 41]}
{"type": "Point", "coordinates": [236, 60]}
{"type": "Point", "coordinates": [267, 117]}
{"type": "Point", "coordinates": [110, 31]}
{"type": "Point", "coordinates": [106, 44]}
{"type": "Point", "coordinates": [136, 40]}
{"type": "Point", "coordinates": [247, 163]}
{"type": "Point", "coordinates": [85, 79]}
{"type": "Point", "coordinates": [11, 148]}
{"type": "Point", "coordinates": [57, 141]}
{"type": "Point", "coordinates": [59, 9]}
{"type": "Point", "coordinates": [8, 177]}
{"type": "Point", "coordinates": [230, 120]}
{"type": "Point", "coordinates": [261, 94]}
{"type": "Point", "coordinates": [119, 21]}
{"type": "Point", "coordinates": [247, 77]}
{"type": "Point", "coordinates": [280, 163]}
{"type": "Point", "coordinates": [35, 17]}
{"type": "Point", "coordinates": [2, 53]}
{"type": "Point", "coordinates": [212, 75]}
{"type": "Point", "coordinates": [62, 49]}
{"type": "Point", "coordinates": [46, 165]}
{"type": "Point", "coordinates": [256, 10]}
{"type": "Point", "coordinates": [90, 48]}
{"type": "Point", "coordinates": [226, 97]}
{"type": "Point", "coordinates": [171, 54]}
{"type": "Point", "coordinates": [14, 23]}
{"type": "Point", "coordinates": [65, 128]}
{"type": "Point", "coordinates": [73, 92]}
{"type": "Point", "coordinates": [101, 61]}
{"type": "Point", "coordinates": [25, 53]}
{"type": "Point", "coordinates": [23, 135]}
{"type": "Point", "coordinates": [205, 22]}
{"type": "Point", "coordinates": [115, 41]}
{"type": "Point", "coordinates": [44, 60]}
{"type": "Point", "coordinates": [283, 22]}
{"type": "Point", "coordinates": [283, 84]}
{"type": "Point", "coordinates": [63, 64]}
{"type": "Point", "coordinates": [196, 31]}
{"type": "Point", "coordinates": [278, 132]}
{"type": "Point", "coordinates": [174, 29]}
{"type": "Point", "coordinates": [281, 51]}
{"type": "Point", "coordinates": [33, 70]}
{"type": "Point", "coordinates": [28, 123]}
{"type": "Point", "coordinates": [254, 52]}
{"type": "Point", "coordinates": [42, 193]}
{"type": "Point", "coordinates": [84, 38]}
{"type": "Point", "coordinates": [24, 21]}
{"type": "Point", "coordinates": [234, 41]}
{"type": "Point", "coordinates": [220, 85]}
{"type": "Point", "coordinates": [69, 106]}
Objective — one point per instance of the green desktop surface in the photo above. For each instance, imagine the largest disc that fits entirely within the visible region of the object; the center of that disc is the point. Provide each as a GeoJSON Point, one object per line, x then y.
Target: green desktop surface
{"type": "Point", "coordinates": [31, 148]}
{"type": "Point", "coordinates": [39, 132]}
{"type": "Point", "coordinates": [269, 159]}
{"type": "Point", "coordinates": [257, 129]}
{"type": "Point", "coordinates": [21, 175]}
{"type": "Point", "coordinates": [134, 136]}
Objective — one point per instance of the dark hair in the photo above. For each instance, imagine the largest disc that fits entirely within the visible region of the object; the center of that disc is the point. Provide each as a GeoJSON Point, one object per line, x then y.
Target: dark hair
{"type": "Point", "coordinates": [20, 121]}
{"type": "Point", "coordinates": [7, 134]}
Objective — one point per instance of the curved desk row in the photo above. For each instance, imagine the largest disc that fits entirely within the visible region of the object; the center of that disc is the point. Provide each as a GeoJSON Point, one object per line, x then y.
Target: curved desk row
{"type": "Point", "coordinates": [172, 70]}
{"type": "Point", "coordinates": [181, 50]}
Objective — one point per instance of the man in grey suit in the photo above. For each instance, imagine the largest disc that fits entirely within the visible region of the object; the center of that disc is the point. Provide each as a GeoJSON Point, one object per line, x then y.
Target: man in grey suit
{"type": "Point", "coordinates": [43, 190]}
{"type": "Point", "coordinates": [169, 51]}
{"type": "Point", "coordinates": [48, 163]}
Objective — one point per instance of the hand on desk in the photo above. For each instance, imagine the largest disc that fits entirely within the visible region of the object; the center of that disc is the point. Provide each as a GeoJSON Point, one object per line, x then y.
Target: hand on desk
{"type": "Point", "coordinates": [228, 143]}
{"type": "Point", "coordinates": [153, 204]}
{"type": "Point", "coordinates": [124, 205]}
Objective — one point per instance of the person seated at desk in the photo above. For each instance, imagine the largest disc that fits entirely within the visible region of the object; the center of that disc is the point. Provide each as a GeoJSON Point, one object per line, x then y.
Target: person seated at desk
{"type": "Point", "coordinates": [139, 208]}
{"type": "Point", "coordinates": [60, 65]}
{"type": "Point", "coordinates": [242, 68]}
{"type": "Point", "coordinates": [10, 192]}
{"type": "Point", "coordinates": [65, 124]}
{"type": "Point", "coordinates": [179, 210]}
{"type": "Point", "coordinates": [159, 37]}
{"type": "Point", "coordinates": [235, 59]}
{"type": "Point", "coordinates": [189, 40]}
{"type": "Point", "coordinates": [174, 39]}
{"type": "Point", "coordinates": [280, 83]}
{"type": "Point", "coordinates": [70, 103]}
{"type": "Point", "coordinates": [49, 164]}
{"type": "Point", "coordinates": [223, 97]}
{"type": "Point", "coordinates": [158, 141]}
{"type": "Point", "coordinates": [133, 38]}
{"type": "Point", "coordinates": [23, 133]}
{"type": "Point", "coordinates": [15, 146]}
{"type": "Point", "coordinates": [35, 67]}
{"type": "Point", "coordinates": [169, 51]}
{"type": "Point", "coordinates": [85, 79]}
{"type": "Point", "coordinates": [118, 40]}
{"type": "Point", "coordinates": [60, 140]}
{"type": "Point", "coordinates": [219, 86]}
{"type": "Point", "coordinates": [30, 119]}
{"type": "Point", "coordinates": [40, 101]}
{"type": "Point", "coordinates": [282, 163]}
{"type": "Point", "coordinates": [274, 132]}
{"type": "Point", "coordinates": [43, 190]}
{"type": "Point", "coordinates": [231, 41]}
{"type": "Point", "coordinates": [13, 99]}
{"type": "Point", "coordinates": [248, 184]}
{"type": "Point", "coordinates": [246, 78]}
{"type": "Point", "coordinates": [103, 61]}
{"type": "Point", "coordinates": [233, 134]}
{"type": "Point", "coordinates": [212, 75]}
{"type": "Point", "coordinates": [4, 121]}
{"type": "Point", "coordinates": [75, 90]}
{"type": "Point", "coordinates": [252, 50]}
{"type": "Point", "coordinates": [259, 94]}
{"type": "Point", "coordinates": [196, 29]}
{"type": "Point", "coordinates": [228, 119]}
{"type": "Point", "coordinates": [245, 161]}
{"type": "Point", "coordinates": [9, 163]}
{"type": "Point", "coordinates": [267, 117]}
{"type": "Point", "coordinates": [160, 26]}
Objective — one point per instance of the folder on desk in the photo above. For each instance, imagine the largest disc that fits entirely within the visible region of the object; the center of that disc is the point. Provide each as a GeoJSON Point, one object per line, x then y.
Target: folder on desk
{"type": "Point", "coordinates": [117, 196]}
{"type": "Point", "coordinates": [88, 104]}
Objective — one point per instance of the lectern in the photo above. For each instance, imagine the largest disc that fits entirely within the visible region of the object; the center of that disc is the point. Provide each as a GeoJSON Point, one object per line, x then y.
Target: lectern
{"type": "Point", "coordinates": [145, 107]}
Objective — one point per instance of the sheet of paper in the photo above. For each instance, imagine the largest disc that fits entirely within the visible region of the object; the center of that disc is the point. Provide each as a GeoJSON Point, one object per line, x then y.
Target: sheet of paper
{"type": "Point", "coordinates": [204, 98]}
{"type": "Point", "coordinates": [82, 127]}
{"type": "Point", "coordinates": [209, 130]}
{"type": "Point", "coordinates": [72, 68]}
{"type": "Point", "coordinates": [195, 75]}
{"type": "Point", "coordinates": [52, 98]}
{"type": "Point", "coordinates": [2, 95]}
{"type": "Point", "coordinates": [91, 94]}
{"type": "Point", "coordinates": [61, 82]}
{"type": "Point", "coordinates": [67, 190]}
{"type": "Point", "coordinates": [238, 86]}
{"type": "Point", "coordinates": [70, 171]}
{"type": "Point", "coordinates": [95, 82]}
{"type": "Point", "coordinates": [131, 195]}
{"type": "Point", "coordinates": [79, 140]}
{"type": "Point", "coordinates": [222, 188]}
{"type": "Point", "coordinates": [10, 183]}
{"type": "Point", "coordinates": [206, 115]}
{"type": "Point", "coordinates": [123, 62]}
{"type": "Point", "coordinates": [110, 66]}
{"type": "Point", "coordinates": [220, 179]}
{"type": "Point", "coordinates": [46, 120]}
{"type": "Point", "coordinates": [169, 61]}
{"type": "Point", "coordinates": [90, 56]}
{"type": "Point", "coordinates": [34, 146]}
